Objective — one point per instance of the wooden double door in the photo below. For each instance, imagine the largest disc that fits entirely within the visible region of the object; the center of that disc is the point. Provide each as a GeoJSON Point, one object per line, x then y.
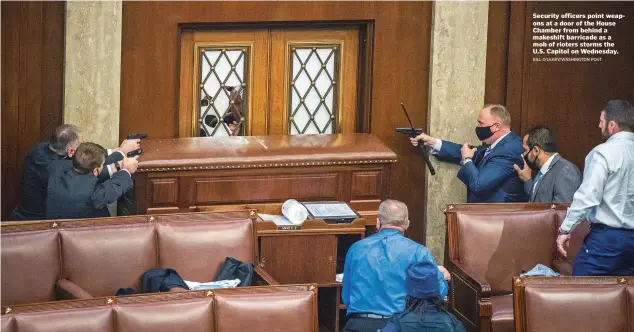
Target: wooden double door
{"type": "Point", "coordinates": [268, 82]}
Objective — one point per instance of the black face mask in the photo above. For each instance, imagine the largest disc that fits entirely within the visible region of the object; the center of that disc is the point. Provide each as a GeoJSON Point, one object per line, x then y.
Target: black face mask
{"type": "Point", "coordinates": [531, 164]}
{"type": "Point", "coordinates": [484, 132]}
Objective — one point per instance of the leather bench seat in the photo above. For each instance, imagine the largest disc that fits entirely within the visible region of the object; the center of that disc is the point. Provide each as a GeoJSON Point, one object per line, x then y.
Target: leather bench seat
{"type": "Point", "coordinates": [545, 304]}
{"type": "Point", "coordinates": [76, 259]}
{"type": "Point", "coordinates": [502, 315]}
{"type": "Point", "coordinates": [488, 245]}
{"type": "Point", "coordinates": [249, 309]}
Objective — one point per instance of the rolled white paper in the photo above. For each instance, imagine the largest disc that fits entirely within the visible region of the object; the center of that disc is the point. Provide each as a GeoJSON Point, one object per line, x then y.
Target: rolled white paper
{"type": "Point", "coordinates": [294, 211]}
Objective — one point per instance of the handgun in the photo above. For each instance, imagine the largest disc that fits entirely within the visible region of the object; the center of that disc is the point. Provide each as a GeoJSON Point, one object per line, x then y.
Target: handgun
{"type": "Point", "coordinates": [413, 132]}
{"type": "Point", "coordinates": [135, 153]}
{"type": "Point", "coordinates": [137, 136]}
{"type": "Point", "coordinates": [410, 131]}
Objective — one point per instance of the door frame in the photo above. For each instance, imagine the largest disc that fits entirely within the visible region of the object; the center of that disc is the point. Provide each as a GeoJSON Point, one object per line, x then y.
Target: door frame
{"type": "Point", "coordinates": [364, 74]}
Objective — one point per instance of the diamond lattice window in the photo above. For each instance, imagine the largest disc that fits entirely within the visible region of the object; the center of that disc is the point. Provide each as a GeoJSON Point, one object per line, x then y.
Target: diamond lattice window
{"type": "Point", "coordinates": [313, 102]}
{"type": "Point", "coordinates": [223, 91]}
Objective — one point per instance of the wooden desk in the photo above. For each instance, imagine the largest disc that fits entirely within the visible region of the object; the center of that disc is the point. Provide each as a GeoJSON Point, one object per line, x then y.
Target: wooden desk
{"type": "Point", "coordinates": [305, 255]}
{"type": "Point", "coordinates": [312, 254]}
{"type": "Point", "coordinates": [186, 173]}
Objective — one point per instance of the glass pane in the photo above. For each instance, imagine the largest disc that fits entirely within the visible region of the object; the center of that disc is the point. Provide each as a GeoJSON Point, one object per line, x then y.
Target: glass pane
{"type": "Point", "coordinates": [312, 108]}
{"type": "Point", "coordinates": [223, 92]}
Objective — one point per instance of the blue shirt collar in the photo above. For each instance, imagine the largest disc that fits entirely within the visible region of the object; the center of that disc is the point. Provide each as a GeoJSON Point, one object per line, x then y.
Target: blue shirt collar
{"type": "Point", "coordinates": [389, 231]}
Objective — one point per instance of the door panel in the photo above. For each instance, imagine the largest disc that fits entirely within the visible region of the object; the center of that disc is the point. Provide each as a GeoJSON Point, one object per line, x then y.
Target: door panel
{"type": "Point", "coordinates": [284, 45]}
{"type": "Point", "coordinates": [246, 76]}
{"type": "Point", "coordinates": [193, 43]}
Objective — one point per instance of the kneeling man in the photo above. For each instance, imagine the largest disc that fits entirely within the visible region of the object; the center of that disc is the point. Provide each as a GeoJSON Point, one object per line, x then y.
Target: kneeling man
{"type": "Point", "coordinates": [375, 270]}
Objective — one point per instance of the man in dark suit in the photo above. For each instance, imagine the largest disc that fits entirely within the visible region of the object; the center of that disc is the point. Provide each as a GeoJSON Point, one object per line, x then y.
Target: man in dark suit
{"type": "Point", "coordinates": [556, 179]}
{"type": "Point", "coordinates": [62, 145]}
{"type": "Point", "coordinates": [74, 190]}
{"type": "Point", "coordinates": [486, 170]}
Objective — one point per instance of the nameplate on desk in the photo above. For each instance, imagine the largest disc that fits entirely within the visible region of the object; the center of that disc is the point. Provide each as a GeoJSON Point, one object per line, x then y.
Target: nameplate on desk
{"type": "Point", "coordinates": [281, 222]}
{"type": "Point", "coordinates": [289, 227]}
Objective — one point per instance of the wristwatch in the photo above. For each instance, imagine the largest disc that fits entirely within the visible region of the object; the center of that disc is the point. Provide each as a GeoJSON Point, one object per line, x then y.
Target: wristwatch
{"type": "Point", "coordinates": [464, 161]}
{"type": "Point", "coordinates": [117, 166]}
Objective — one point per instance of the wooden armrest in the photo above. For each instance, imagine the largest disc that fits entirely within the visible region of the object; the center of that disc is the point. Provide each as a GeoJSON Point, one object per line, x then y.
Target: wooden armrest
{"type": "Point", "coordinates": [264, 276]}
{"type": "Point", "coordinates": [469, 298]}
{"type": "Point", "coordinates": [465, 275]}
{"type": "Point", "coordinates": [68, 290]}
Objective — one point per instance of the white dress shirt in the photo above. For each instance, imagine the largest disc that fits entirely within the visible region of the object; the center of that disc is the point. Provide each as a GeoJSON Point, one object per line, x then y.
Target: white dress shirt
{"type": "Point", "coordinates": [606, 194]}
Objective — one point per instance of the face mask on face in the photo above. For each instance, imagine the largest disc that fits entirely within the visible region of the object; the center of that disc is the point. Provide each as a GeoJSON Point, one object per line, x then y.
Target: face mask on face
{"type": "Point", "coordinates": [531, 164]}
{"type": "Point", "coordinates": [484, 132]}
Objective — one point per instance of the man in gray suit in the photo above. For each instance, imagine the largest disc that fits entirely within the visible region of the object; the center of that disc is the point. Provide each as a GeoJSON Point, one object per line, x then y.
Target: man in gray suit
{"type": "Point", "coordinates": [557, 179]}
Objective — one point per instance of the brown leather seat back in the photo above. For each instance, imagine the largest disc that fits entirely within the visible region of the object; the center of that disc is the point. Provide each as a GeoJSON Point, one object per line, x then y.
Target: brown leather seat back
{"type": "Point", "coordinates": [30, 266]}
{"type": "Point", "coordinates": [588, 307]}
{"type": "Point", "coordinates": [498, 245]}
{"type": "Point", "coordinates": [576, 236]}
{"type": "Point", "coordinates": [105, 258]}
{"type": "Point", "coordinates": [197, 249]}
{"type": "Point", "coordinates": [244, 309]}
{"type": "Point", "coordinates": [96, 319]}
{"type": "Point", "coordinates": [7, 324]}
{"type": "Point", "coordinates": [193, 315]}
{"type": "Point", "coordinates": [265, 311]}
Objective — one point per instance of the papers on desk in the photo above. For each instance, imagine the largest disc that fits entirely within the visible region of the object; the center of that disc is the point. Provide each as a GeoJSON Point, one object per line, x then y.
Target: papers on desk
{"type": "Point", "coordinates": [330, 210]}
{"type": "Point", "coordinates": [281, 222]}
{"type": "Point", "coordinates": [193, 285]}
{"type": "Point", "coordinates": [278, 220]}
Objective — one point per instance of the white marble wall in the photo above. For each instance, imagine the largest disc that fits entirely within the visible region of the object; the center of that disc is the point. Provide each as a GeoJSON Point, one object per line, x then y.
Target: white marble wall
{"type": "Point", "coordinates": [93, 69]}
{"type": "Point", "coordinates": [459, 44]}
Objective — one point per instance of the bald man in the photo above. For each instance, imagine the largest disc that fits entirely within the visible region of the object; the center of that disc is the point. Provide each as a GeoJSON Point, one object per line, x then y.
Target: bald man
{"type": "Point", "coordinates": [487, 170]}
{"type": "Point", "coordinates": [375, 271]}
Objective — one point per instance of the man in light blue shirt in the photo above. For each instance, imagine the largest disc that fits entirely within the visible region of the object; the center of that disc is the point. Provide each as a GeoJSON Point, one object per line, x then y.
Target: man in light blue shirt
{"type": "Point", "coordinates": [606, 199]}
{"type": "Point", "coordinates": [375, 270]}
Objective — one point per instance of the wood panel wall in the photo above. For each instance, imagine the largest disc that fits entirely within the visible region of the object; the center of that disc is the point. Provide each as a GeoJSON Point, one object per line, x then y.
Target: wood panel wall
{"type": "Point", "coordinates": [150, 71]}
{"type": "Point", "coordinates": [567, 96]}
{"type": "Point", "coordinates": [32, 85]}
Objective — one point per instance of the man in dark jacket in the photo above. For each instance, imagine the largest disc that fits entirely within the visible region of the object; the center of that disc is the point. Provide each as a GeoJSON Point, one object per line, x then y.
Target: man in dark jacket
{"type": "Point", "coordinates": [74, 191]}
{"type": "Point", "coordinates": [62, 145]}
{"type": "Point", "coordinates": [556, 179]}
{"type": "Point", "coordinates": [424, 311]}
{"type": "Point", "coordinates": [486, 170]}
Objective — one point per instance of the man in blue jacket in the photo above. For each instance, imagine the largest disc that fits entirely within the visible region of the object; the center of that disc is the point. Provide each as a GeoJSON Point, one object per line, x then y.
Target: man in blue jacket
{"type": "Point", "coordinates": [487, 170]}
{"type": "Point", "coordinates": [375, 269]}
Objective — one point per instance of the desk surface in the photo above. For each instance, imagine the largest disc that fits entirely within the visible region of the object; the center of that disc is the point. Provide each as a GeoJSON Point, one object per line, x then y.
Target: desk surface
{"type": "Point", "coordinates": [264, 151]}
